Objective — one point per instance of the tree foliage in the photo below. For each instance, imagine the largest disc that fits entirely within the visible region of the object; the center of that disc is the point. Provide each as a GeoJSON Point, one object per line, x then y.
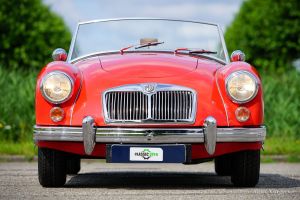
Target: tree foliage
{"type": "Point", "coordinates": [268, 32]}
{"type": "Point", "coordinates": [29, 32]}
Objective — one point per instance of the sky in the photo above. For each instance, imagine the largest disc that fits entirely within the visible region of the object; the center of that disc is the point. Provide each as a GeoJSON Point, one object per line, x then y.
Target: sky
{"type": "Point", "coordinates": [217, 11]}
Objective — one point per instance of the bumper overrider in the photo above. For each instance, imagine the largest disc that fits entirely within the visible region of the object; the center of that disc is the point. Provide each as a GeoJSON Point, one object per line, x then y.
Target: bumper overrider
{"type": "Point", "coordinates": [89, 134]}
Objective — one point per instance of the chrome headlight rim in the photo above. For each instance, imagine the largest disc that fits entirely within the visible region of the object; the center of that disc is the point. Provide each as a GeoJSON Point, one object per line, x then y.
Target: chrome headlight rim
{"type": "Point", "coordinates": [49, 98]}
{"type": "Point", "coordinates": [252, 76]}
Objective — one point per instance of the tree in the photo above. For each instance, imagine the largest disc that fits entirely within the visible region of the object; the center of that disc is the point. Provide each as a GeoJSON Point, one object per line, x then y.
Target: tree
{"type": "Point", "coordinates": [29, 32]}
{"type": "Point", "coordinates": [268, 32]}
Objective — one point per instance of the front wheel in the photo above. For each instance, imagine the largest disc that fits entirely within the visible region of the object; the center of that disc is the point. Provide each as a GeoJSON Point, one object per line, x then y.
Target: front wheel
{"type": "Point", "coordinates": [73, 165]}
{"type": "Point", "coordinates": [245, 168]}
{"type": "Point", "coordinates": [51, 167]}
{"type": "Point", "coordinates": [223, 165]}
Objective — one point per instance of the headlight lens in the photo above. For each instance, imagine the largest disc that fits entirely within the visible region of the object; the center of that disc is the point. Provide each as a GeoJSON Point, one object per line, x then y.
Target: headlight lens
{"type": "Point", "coordinates": [241, 86]}
{"type": "Point", "coordinates": [57, 87]}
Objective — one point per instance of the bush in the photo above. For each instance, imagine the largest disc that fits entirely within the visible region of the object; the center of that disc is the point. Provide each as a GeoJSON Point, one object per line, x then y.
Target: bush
{"type": "Point", "coordinates": [282, 103]}
{"type": "Point", "coordinates": [29, 34]}
{"type": "Point", "coordinates": [16, 105]}
{"type": "Point", "coordinates": [268, 32]}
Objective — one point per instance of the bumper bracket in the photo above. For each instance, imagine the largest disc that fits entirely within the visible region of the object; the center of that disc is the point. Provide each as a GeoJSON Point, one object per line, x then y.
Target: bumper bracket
{"type": "Point", "coordinates": [88, 134]}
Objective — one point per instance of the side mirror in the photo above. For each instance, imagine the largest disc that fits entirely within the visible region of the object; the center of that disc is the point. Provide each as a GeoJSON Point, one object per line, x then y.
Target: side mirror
{"type": "Point", "coordinates": [237, 55]}
{"type": "Point", "coordinates": [59, 54]}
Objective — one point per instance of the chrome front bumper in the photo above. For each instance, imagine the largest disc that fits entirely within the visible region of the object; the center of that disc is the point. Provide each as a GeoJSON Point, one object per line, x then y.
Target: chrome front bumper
{"type": "Point", "coordinates": [89, 134]}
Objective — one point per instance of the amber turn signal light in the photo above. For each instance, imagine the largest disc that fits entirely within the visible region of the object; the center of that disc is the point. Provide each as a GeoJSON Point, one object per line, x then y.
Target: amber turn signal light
{"type": "Point", "coordinates": [57, 114]}
{"type": "Point", "coordinates": [242, 114]}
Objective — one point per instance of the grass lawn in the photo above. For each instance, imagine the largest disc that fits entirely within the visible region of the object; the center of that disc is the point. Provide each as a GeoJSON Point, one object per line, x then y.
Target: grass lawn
{"type": "Point", "coordinates": [281, 146]}
{"type": "Point", "coordinates": [273, 146]}
{"type": "Point", "coordinates": [27, 149]}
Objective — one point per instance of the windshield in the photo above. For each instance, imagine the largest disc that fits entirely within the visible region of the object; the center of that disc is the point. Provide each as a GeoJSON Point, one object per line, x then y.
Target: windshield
{"type": "Point", "coordinates": [116, 35]}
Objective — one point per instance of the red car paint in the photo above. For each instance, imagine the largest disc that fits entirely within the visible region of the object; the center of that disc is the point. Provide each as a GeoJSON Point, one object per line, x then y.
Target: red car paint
{"type": "Point", "coordinates": [92, 76]}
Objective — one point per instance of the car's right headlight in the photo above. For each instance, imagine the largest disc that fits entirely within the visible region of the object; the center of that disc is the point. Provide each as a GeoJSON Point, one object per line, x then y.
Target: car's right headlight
{"type": "Point", "coordinates": [57, 87]}
{"type": "Point", "coordinates": [241, 86]}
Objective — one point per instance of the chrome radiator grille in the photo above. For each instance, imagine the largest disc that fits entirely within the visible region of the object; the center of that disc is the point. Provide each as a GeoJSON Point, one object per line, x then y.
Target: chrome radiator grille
{"type": "Point", "coordinates": [126, 105]}
{"type": "Point", "coordinates": [149, 103]}
{"type": "Point", "coordinates": [172, 105]}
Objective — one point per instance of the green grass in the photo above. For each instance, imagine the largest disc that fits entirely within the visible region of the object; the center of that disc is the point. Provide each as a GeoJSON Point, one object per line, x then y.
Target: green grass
{"type": "Point", "coordinates": [281, 146]}
{"type": "Point", "coordinates": [281, 149]}
{"type": "Point", "coordinates": [28, 149]}
{"type": "Point", "coordinates": [16, 105]}
{"type": "Point", "coordinates": [282, 104]}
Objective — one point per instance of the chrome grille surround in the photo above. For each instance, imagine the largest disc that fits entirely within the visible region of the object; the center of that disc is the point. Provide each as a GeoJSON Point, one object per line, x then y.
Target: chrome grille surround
{"type": "Point", "coordinates": [149, 103]}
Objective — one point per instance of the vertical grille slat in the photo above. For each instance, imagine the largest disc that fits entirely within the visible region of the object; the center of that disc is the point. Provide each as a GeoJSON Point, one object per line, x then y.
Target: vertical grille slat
{"type": "Point", "coordinates": [140, 106]}
{"type": "Point", "coordinates": [166, 105]}
{"type": "Point", "coordinates": [158, 107]}
{"type": "Point", "coordinates": [119, 106]}
{"type": "Point", "coordinates": [186, 105]}
{"type": "Point", "coordinates": [190, 105]}
{"type": "Point", "coordinates": [114, 97]}
{"type": "Point", "coordinates": [171, 105]}
{"type": "Point", "coordinates": [130, 107]}
{"type": "Point", "coordinates": [127, 112]}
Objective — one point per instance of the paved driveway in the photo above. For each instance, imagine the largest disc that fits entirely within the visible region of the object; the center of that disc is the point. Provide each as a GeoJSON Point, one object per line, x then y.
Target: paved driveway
{"type": "Point", "coordinates": [157, 181]}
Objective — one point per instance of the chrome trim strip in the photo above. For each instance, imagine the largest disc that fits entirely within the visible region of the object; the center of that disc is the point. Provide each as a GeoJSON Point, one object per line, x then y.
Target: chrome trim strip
{"type": "Point", "coordinates": [75, 100]}
{"type": "Point", "coordinates": [221, 35]}
{"type": "Point", "coordinates": [144, 18]}
{"type": "Point", "coordinates": [148, 135]}
{"type": "Point", "coordinates": [219, 90]}
{"type": "Point", "coordinates": [158, 87]}
{"type": "Point", "coordinates": [71, 49]}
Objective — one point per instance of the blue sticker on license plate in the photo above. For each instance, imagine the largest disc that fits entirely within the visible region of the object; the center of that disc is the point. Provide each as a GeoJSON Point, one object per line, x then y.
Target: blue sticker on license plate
{"type": "Point", "coordinates": [147, 153]}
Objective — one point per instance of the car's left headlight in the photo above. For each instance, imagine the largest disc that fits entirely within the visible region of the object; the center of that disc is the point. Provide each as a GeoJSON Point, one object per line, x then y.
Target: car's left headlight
{"type": "Point", "coordinates": [241, 86]}
{"type": "Point", "coordinates": [57, 87]}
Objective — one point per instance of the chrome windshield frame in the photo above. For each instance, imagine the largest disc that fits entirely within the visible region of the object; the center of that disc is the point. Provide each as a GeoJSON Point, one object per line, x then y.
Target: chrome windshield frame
{"type": "Point", "coordinates": [71, 49]}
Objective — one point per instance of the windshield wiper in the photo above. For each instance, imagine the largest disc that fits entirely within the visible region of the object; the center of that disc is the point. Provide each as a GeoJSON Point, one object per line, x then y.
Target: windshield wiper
{"type": "Point", "coordinates": [141, 46]}
{"type": "Point", "coordinates": [149, 44]}
{"type": "Point", "coordinates": [200, 51]}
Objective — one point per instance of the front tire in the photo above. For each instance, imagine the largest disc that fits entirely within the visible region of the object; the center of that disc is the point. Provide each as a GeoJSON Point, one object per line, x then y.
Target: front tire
{"type": "Point", "coordinates": [245, 168]}
{"type": "Point", "coordinates": [51, 167]}
{"type": "Point", "coordinates": [223, 165]}
{"type": "Point", "coordinates": [73, 165]}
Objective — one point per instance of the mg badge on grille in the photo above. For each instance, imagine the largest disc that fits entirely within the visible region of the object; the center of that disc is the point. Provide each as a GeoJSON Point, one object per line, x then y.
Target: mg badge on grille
{"type": "Point", "coordinates": [149, 88]}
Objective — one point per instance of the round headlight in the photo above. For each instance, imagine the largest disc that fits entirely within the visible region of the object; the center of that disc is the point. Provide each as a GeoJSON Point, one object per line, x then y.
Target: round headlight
{"type": "Point", "coordinates": [57, 87]}
{"type": "Point", "coordinates": [241, 86]}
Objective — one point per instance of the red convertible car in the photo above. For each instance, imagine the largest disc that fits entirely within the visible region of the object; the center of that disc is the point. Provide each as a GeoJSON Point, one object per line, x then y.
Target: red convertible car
{"type": "Point", "coordinates": [149, 91]}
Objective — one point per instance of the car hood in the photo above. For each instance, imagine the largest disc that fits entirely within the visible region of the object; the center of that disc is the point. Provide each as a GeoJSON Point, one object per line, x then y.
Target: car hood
{"type": "Point", "coordinates": [149, 65]}
{"type": "Point", "coordinates": [120, 72]}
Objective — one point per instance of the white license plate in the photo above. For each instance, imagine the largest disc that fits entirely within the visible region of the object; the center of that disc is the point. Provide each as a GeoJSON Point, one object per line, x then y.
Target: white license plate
{"type": "Point", "coordinates": [146, 154]}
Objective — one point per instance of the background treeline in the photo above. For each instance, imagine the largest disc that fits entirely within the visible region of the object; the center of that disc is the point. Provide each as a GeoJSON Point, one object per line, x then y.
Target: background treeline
{"type": "Point", "coordinates": [29, 32]}
{"type": "Point", "coordinates": [267, 31]}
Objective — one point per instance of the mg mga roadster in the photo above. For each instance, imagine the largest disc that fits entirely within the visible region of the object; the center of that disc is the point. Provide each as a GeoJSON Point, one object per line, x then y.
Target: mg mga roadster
{"type": "Point", "coordinates": [149, 91]}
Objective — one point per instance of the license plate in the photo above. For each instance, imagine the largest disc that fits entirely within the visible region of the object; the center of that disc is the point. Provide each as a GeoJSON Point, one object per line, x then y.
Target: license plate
{"type": "Point", "coordinates": [146, 153]}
